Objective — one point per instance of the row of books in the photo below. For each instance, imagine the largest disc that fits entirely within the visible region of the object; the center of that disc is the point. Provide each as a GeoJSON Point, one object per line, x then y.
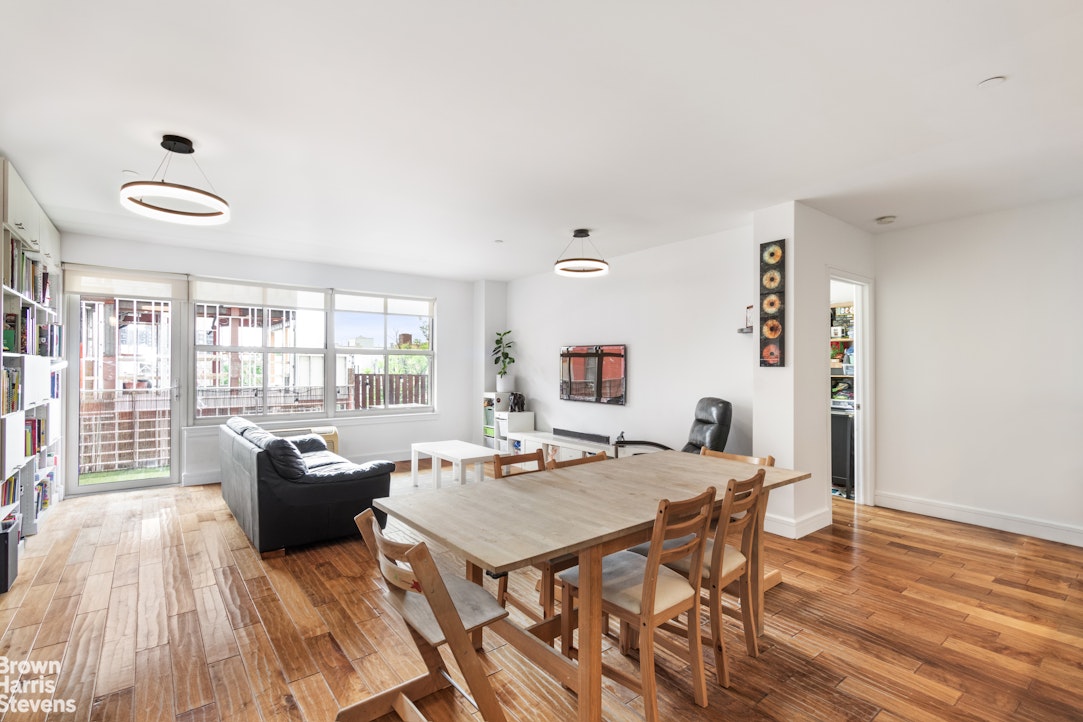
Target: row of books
{"type": "Point", "coordinates": [27, 275]}
{"type": "Point", "coordinates": [10, 389]}
{"type": "Point", "coordinates": [9, 493]}
{"type": "Point", "coordinates": [34, 435]}
{"type": "Point", "coordinates": [20, 337]}
{"type": "Point", "coordinates": [43, 486]}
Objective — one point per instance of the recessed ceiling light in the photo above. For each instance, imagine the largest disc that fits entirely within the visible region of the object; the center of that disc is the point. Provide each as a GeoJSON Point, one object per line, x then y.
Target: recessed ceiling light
{"type": "Point", "coordinates": [885, 220]}
{"type": "Point", "coordinates": [995, 80]}
{"type": "Point", "coordinates": [498, 240]}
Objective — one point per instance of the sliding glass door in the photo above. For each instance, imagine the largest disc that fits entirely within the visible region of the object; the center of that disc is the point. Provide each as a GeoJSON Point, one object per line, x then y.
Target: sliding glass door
{"type": "Point", "coordinates": [127, 392]}
{"type": "Point", "coordinates": [124, 385]}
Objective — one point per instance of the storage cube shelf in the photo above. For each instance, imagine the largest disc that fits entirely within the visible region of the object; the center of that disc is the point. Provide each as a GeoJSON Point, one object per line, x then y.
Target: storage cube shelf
{"type": "Point", "coordinates": [498, 421]}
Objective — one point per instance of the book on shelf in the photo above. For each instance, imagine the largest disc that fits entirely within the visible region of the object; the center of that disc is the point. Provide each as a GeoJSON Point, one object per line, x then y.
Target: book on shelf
{"type": "Point", "coordinates": [12, 387]}
{"type": "Point", "coordinates": [9, 494]}
{"type": "Point", "coordinates": [27, 342]}
{"type": "Point", "coordinates": [50, 340]}
{"type": "Point", "coordinates": [34, 435]}
{"type": "Point", "coordinates": [11, 327]}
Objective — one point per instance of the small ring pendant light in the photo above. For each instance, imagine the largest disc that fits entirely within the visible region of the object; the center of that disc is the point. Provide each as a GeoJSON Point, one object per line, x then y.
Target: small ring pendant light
{"type": "Point", "coordinates": [134, 195]}
{"type": "Point", "coordinates": [583, 266]}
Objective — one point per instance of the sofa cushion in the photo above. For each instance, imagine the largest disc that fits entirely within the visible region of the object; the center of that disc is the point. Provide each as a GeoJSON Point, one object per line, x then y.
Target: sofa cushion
{"type": "Point", "coordinates": [258, 436]}
{"type": "Point", "coordinates": [316, 459]}
{"type": "Point", "coordinates": [308, 443]}
{"type": "Point", "coordinates": [343, 470]}
{"type": "Point", "coordinates": [239, 425]}
{"type": "Point", "coordinates": [285, 458]}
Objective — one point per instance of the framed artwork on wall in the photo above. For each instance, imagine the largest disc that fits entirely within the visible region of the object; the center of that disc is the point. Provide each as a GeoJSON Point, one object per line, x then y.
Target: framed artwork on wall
{"type": "Point", "coordinates": [772, 303]}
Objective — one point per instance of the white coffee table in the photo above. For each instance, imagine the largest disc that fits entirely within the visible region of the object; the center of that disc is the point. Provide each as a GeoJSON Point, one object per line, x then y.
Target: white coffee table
{"type": "Point", "coordinates": [457, 452]}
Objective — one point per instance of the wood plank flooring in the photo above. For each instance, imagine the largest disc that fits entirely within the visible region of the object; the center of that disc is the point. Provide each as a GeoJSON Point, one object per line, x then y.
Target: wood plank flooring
{"type": "Point", "coordinates": [153, 606]}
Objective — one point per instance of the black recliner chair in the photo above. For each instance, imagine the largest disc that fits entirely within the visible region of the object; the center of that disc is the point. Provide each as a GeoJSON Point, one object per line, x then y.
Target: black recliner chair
{"type": "Point", "coordinates": [711, 428]}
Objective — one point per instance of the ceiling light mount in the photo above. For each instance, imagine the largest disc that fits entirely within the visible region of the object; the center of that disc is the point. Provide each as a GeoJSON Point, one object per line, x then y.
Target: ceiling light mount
{"type": "Point", "coordinates": [582, 266]}
{"type": "Point", "coordinates": [178, 144]}
{"type": "Point", "coordinates": [185, 204]}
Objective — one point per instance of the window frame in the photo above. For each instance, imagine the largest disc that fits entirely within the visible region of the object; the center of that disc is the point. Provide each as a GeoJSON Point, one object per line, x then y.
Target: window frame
{"type": "Point", "coordinates": [202, 294]}
{"type": "Point", "coordinates": [385, 351]}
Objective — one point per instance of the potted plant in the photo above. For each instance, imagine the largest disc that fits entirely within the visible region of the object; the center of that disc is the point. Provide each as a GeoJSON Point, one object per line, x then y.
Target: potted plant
{"type": "Point", "coordinates": [502, 357]}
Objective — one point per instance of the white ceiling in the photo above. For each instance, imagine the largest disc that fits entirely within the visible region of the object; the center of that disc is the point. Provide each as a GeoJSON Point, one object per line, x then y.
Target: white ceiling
{"type": "Point", "coordinates": [410, 136]}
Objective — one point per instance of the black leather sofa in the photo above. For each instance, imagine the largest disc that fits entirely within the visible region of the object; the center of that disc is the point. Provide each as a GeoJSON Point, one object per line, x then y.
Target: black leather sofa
{"type": "Point", "coordinates": [288, 491]}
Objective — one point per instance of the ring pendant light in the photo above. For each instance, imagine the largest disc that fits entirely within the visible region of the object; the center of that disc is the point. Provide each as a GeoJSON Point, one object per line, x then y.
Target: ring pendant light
{"type": "Point", "coordinates": [582, 266]}
{"type": "Point", "coordinates": [136, 195]}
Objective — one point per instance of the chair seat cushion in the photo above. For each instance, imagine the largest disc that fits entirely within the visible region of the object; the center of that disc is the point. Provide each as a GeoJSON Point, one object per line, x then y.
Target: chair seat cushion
{"type": "Point", "coordinates": [732, 558]}
{"type": "Point", "coordinates": [622, 583]}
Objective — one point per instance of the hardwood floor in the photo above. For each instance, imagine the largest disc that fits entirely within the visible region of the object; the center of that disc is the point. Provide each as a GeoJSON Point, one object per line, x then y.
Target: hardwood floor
{"type": "Point", "coordinates": [152, 605]}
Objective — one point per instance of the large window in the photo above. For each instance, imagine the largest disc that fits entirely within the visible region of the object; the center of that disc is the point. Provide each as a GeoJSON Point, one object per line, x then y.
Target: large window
{"type": "Point", "coordinates": [263, 351]}
{"type": "Point", "coordinates": [383, 352]}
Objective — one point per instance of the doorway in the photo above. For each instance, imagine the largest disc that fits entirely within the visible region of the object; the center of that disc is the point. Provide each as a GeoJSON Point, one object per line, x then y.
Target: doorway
{"type": "Point", "coordinates": [849, 386]}
{"type": "Point", "coordinates": [127, 393]}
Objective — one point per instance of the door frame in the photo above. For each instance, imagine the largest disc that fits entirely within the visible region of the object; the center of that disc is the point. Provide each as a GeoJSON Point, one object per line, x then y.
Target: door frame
{"type": "Point", "coordinates": [179, 324]}
{"type": "Point", "coordinates": [864, 385]}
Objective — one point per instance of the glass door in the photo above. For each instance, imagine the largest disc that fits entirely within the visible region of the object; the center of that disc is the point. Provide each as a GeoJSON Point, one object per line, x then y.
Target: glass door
{"type": "Point", "coordinates": [127, 393]}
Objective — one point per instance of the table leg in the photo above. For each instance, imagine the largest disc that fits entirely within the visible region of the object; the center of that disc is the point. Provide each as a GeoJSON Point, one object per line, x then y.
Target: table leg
{"type": "Point", "coordinates": [415, 457]}
{"type": "Point", "coordinates": [436, 462]}
{"type": "Point", "coordinates": [757, 581]}
{"type": "Point", "coordinates": [457, 471]}
{"type": "Point", "coordinates": [479, 470]}
{"type": "Point", "coordinates": [590, 635]}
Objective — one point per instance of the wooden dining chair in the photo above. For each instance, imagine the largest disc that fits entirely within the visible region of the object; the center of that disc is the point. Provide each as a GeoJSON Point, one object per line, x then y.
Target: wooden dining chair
{"type": "Point", "coordinates": [645, 594]}
{"type": "Point", "coordinates": [724, 564]}
{"type": "Point", "coordinates": [502, 462]}
{"type": "Point", "coordinates": [437, 610]}
{"type": "Point", "coordinates": [757, 460]}
{"type": "Point", "coordinates": [555, 464]}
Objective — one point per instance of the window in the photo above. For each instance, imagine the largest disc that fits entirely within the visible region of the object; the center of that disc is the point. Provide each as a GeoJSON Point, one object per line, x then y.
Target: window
{"type": "Point", "coordinates": [259, 351]}
{"type": "Point", "coordinates": [383, 352]}
{"type": "Point", "coordinates": [263, 351]}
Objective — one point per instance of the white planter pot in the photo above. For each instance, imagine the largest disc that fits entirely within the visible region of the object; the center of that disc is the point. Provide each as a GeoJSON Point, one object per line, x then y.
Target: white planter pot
{"type": "Point", "coordinates": [505, 382]}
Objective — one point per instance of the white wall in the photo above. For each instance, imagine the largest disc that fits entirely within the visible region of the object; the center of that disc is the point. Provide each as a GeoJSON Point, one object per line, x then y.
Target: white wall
{"type": "Point", "coordinates": [980, 370]}
{"type": "Point", "coordinates": [793, 402]}
{"type": "Point", "coordinates": [456, 342]}
{"type": "Point", "coordinates": [677, 308]}
{"type": "Point", "coordinates": [490, 318]}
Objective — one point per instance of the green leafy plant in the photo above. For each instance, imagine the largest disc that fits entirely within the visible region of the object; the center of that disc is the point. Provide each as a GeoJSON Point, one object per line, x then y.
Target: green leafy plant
{"type": "Point", "coordinates": [502, 352]}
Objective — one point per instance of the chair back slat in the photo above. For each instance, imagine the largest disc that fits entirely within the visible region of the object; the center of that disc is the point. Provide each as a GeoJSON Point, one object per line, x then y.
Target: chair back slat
{"type": "Point", "coordinates": [502, 461]}
{"type": "Point", "coordinates": [390, 554]}
{"type": "Point", "coordinates": [757, 460]}
{"type": "Point", "coordinates": [554, 464]}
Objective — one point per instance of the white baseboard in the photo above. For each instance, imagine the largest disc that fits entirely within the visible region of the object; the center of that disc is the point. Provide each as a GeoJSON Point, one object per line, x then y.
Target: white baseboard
{"type": "Point", "coordinates": [1039, 528]}
{"type": "Point", "coordinates": [797, 528]}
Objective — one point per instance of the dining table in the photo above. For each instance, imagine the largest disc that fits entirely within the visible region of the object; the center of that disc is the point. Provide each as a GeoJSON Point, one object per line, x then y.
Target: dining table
{"type": "Point", "coordinates": [590, 510]}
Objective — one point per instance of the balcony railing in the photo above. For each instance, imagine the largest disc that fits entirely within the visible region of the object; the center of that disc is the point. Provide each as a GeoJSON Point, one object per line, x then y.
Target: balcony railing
{"type": "Point", "coordinates": [368, 391]}
{"type": "Point", "coordinates": [124, 429]}
{"type": "Point", "coordinates": [130, 428]}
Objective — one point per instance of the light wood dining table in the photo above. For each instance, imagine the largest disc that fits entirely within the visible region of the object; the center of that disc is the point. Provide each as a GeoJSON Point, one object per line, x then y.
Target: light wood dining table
{"type": "Point", "coordinates": [500, 525]}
